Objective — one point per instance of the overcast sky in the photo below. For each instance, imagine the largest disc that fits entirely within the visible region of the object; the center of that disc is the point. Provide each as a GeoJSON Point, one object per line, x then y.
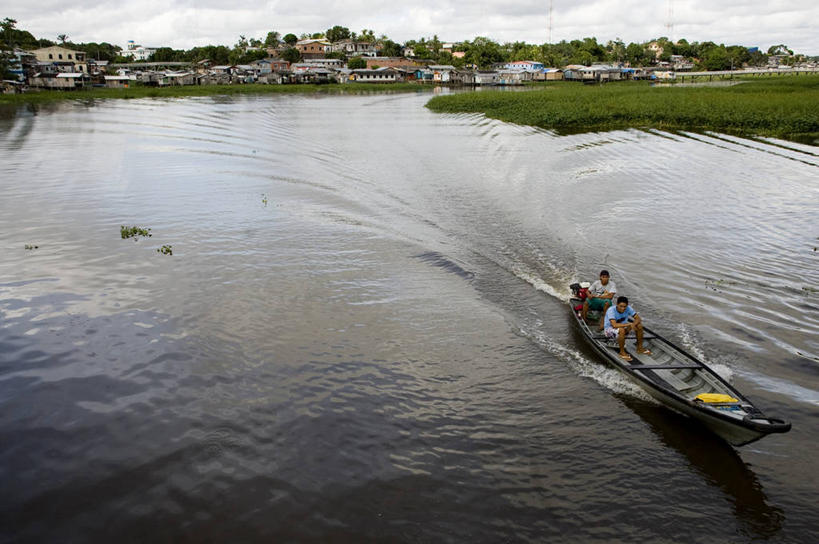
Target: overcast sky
{"type": "Point", "coordinates": [182, 24]}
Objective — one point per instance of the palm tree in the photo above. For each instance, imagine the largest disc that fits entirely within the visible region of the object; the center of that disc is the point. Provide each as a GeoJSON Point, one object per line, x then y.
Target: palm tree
{"type": "Point", "coordinates": [63, 38]}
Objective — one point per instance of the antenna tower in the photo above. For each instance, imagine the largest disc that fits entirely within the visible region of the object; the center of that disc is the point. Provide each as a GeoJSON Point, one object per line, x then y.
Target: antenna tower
{"type": "Point", "coordinates": [550, 21]}
{"type": "Point", "coordinates": [669, 24]}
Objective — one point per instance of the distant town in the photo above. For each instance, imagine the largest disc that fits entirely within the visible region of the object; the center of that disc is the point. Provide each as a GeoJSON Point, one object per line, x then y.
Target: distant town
{"type": "Point", "coordinates": [341, 56]}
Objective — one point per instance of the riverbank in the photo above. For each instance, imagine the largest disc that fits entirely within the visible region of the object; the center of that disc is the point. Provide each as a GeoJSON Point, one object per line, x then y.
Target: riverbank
{"type": "Point", "coordinates": [203, 90]}
{"type": "Point", "coordinates": [785, 107]}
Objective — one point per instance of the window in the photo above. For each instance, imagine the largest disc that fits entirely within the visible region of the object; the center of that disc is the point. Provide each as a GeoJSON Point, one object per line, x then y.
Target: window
{"type": "Point", "coordinates": [50, 56]}
{"type": "Point", "coordinates": [60, 56]}
{"type": "Point", "coordinates": [69, 56]}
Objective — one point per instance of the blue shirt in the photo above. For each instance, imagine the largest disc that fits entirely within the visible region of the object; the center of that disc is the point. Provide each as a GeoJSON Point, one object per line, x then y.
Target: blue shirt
{"type": "Point", "coordinates": [618, 317]}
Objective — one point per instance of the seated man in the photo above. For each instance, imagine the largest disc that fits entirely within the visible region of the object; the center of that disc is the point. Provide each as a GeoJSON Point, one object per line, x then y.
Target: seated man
{"type": "Point", "coordinates": [601, 293]}
{"type": "Point", "coordinates": [622, 319]}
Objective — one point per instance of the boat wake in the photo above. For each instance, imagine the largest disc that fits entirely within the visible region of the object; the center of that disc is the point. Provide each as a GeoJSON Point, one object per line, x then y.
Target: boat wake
{"type": "Point", "coordinates": [584, 367]}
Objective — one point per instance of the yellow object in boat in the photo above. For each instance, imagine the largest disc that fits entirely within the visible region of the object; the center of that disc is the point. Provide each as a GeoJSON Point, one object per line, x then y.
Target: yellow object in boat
{"type": "Point", "coordinates": [716, 397]}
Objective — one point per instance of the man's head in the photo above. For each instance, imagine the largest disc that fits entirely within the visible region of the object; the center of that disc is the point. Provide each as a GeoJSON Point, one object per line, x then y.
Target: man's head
{"type": "Point", "coordinates": [604, 277]}
{"type": "Point", "coordinates": [622, 304]}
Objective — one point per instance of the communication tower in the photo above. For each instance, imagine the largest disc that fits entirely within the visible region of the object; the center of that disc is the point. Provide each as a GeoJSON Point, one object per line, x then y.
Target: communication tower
{"type": "Point", "coordinates": [550, 21]}
{"type": "Point", "coordinates": [669, 23]}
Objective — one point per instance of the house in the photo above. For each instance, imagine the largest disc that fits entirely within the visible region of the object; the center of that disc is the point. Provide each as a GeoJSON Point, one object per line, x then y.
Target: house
{"type": "Point", "coordinates": [97, 67]}
{"type": "Point", "coordinates": [118, 82]}
{"type": "Point", "coordinates": [353, 48]}
{"type": "Point", "coordinates": [485, 77]}
{"type": "Point", "coordinates": [524, 65]}
{"type": "Point", "coordinates": [62, 55]}
{"type": "Point", "coordinates": [408, 52]}
{"type": "Point", "coordinates": [514, 77]}
{"type": "Point", "coordinates": [278, 77]}
{"type": "Point", "coordinates": [405, 73]}
{"type": "Point", "coordinates": [18, 59]}
{"type": "Point", "coordinates": [62, 80]}
{"type": "Point", "coordinates": [317, 74]}
{"type": "Point", "coordinates": [203, 66]}
{"type": "Point", "coordinates": [327, 63]}
{"type": "Point", "coordinates": [381, 75]}
{"type": "Point", "coordinates": [11, 87]}
{"type": "Point", "coordinates": [444, 73]}
{"type": "Point", "coordinates": [553, 74]}
{"type": "Point", "coordinates": [423, 75]}
{"type": "Point", "coordinates": [261, 67]}
{"type": "Point", "coordinates": [170, 79]}
{"type": "Point", "coordinates": [589, 74]}
{"type": "Point", "coordinates": [267, 66]}
{"type": "Point", "coordinates": [680, 64]}
{"type": "Point", "coordinates": [312, 49]}
{"type": "Point", "coordinates": [599, 73]}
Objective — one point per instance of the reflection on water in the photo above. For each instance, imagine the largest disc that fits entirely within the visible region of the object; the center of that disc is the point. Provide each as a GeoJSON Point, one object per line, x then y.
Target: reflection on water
{"type": "Point", "coordinates": [362, 335]}
{"type": "Point", "coordinates": [718, 464]}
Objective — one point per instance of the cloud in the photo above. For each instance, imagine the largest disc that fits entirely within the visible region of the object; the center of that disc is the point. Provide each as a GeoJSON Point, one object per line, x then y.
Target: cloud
{"type": "Point", "coordinates": [186, 23]}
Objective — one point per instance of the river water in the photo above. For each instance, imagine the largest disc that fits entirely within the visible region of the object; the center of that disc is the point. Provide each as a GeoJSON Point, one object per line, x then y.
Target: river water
{"type": "Point", "coordinates": [361, 334]}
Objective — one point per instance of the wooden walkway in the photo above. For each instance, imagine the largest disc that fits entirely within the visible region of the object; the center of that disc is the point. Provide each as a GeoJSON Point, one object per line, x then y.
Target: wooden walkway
{"type": "Point", "coordinates": [729, 74]}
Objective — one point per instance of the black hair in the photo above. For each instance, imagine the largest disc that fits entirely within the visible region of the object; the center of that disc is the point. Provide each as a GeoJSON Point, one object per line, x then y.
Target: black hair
{"type": "Point", "coordinates": [622, 299]}
{"type": "Point", "coordinates": [604, 273]}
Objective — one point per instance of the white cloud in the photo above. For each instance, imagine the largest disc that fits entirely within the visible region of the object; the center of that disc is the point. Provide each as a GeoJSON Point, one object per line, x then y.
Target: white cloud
{"type": "Point", "coordinates": [185, 23]}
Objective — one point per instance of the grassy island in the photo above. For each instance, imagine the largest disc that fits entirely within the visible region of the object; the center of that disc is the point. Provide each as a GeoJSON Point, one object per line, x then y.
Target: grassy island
{"type": "Point", "coordinates": [203, 90]}
{"type": "Point", "coordinates": [783, 107]}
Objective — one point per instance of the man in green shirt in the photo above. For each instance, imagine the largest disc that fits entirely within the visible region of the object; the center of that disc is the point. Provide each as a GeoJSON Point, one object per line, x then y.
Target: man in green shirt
{"type": "Point", "coordinates": [601, 293]}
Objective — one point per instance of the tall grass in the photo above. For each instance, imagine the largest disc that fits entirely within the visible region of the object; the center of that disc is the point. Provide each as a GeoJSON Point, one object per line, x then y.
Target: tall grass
{"type": "Point", "coordinates": [783, 107]}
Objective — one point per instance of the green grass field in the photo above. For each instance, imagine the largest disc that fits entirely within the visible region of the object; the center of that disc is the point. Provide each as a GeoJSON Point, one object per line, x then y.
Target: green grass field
{"type": "Point", "coordinates": [782, 107]}
{"type": "Point", "coordinates": [204, 90]}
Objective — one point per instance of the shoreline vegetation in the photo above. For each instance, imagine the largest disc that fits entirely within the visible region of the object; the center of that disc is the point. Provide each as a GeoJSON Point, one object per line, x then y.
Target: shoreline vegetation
{"type": "Point", "coordinates": [786, 108]}
{"type": "Point", "coordinates": [182, 91]}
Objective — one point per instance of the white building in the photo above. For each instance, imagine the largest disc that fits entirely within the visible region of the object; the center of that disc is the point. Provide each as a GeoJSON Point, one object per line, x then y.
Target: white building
{"type": "Point", "coordinates": [138, 52]}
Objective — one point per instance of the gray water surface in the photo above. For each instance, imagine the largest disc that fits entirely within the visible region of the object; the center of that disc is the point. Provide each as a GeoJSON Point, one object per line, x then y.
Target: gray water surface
{"type": "Point", "coordinates": [362, 332]}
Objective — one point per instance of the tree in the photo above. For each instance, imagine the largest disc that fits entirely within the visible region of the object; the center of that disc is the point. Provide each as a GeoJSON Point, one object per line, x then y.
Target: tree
{"type": "Point", "coordinates": [638, 55]}
{"type": "Point", "coordinates": [716, 58]}
{"type": "Point", "coordinates": [290, 39]}
{"type": "Point", "coordinates": [7, 27]}
{"type": "Point", "coordinates": [483, 52]}
{"type": "Point", "coordinates": [166, 54]}
{"type": "Point", "coordinates": [390, 49]}
{"type": "Point", "coordinates": [421, 52]}
{"type": "Point", "coordinates": [366, 36]}
{"type": "Point", "coordinates": [63, 38]}
{"type": "Point", "coordinates": [616, 50]}
{"type": "Point", "coordinates": [356, 63]}
{"type": "Point", "coordinates": [780, 49]}
{"type": "Point", "coordinates": [337, 33]}
{"type": "Point", "coordinates": [272, 39]}
{"type": "Point", "coordinates": [291, 55]}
